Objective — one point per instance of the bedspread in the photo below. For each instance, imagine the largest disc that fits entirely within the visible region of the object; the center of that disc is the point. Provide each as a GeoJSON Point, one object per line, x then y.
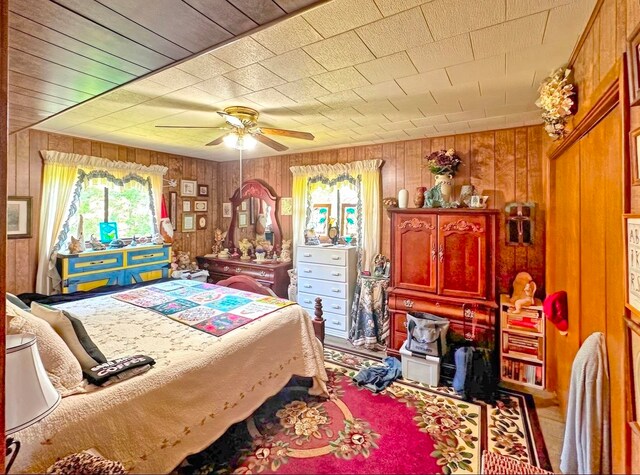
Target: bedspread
{"type": "Point", "coordinates": [200, 385]}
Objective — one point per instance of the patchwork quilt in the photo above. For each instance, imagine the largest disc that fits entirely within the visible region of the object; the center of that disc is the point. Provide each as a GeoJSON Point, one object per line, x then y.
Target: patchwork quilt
{"type": "Point", "coordinates": [207, 307]}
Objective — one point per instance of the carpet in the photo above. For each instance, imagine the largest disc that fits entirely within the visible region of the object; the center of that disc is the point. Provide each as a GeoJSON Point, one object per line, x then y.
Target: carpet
{"type": "Point", "coordinates": [408, 428]}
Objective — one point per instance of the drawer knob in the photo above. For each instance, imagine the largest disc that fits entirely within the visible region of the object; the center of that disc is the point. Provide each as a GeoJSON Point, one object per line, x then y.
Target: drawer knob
{"type": "Point", "coordinates": [225, 268]}
{"type": "Point", "coordinates": [238, 270]}
{"type": "Point", "coordinates": [335, 322]}
{"type": "Point", "coordinates": [307, 271]}
{"type": "Point", "coordinates": [437, 304]}
{"type": "Point", "coordinates": [263, 273]}
{"type": "Point", "coordinates": [408, 303]}
{"type": "Point", "coordinates": [307, 301]}
{"type": "Point", "coordinates": [336, 274]}
{"type": "Point", "coordinates": [337, 291]}
{"type": "Point", "coordinates": [335, 258]}
{"type": "Point", "coordinates": [307, 254]}
{"type": "Point", "coordinates": [337, 307]}
{"type": "Point", "coordinates": [307, 286]}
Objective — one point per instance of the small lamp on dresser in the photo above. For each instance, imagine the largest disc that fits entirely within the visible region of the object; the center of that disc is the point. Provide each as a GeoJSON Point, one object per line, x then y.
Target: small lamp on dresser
{"type": "Point", "coordinates": [29, 395]}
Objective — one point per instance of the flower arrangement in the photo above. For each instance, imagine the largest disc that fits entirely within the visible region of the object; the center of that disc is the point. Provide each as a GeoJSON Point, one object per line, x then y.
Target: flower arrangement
{"type": "Point", "coordinates": [443, 162]}
{"type": "Point", "coordinates": [556, 102]}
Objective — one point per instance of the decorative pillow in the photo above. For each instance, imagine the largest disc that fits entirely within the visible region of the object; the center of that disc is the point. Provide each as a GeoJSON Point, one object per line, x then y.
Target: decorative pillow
{"type": "Point", "coordinates": [17, 302]}
{"type": "Point", "coordinates": [63, 327]}
{"type": "Point", "coordinates": [62, 367]}
{"type": "Point", "coordinates": [87, 343]}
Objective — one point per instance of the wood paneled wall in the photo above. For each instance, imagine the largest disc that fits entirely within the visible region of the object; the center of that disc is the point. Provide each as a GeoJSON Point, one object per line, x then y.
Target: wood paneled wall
{"type": "Point", "coordinates": [25, 179]}
{"type": "Point", "coordinates": [586, 196]}
{"type": "Point", "coordinates": [505, 164]}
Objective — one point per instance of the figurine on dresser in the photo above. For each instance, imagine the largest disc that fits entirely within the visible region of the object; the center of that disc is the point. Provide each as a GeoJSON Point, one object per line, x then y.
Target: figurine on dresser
{"type": "Point", "coordinates": [285, 255]}
{"type": "Point", "coordinates": [524, 290]}
{"type": "Point", "coordinates": [218, 240]}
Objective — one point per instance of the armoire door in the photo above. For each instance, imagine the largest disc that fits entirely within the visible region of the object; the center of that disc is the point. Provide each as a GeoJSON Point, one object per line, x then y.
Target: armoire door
{"type": "Point", "coordinates": [414, 252]}
{"type": "Point", "coordinates": [462, 256]}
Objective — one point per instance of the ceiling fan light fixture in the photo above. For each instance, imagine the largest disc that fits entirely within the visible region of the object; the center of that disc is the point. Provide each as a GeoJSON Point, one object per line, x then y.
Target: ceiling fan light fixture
{"type": "Point", "coordinates": [239, 142]}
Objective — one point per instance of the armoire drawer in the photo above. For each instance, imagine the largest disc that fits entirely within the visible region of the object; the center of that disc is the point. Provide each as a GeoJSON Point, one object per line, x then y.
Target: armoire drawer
{"type": "Point", "coordinates": [320, 271]}
{"type": "Point", "coordinates": [440, 308]}
{"type": "Point", "coordinates": [334, 257]}
{"type": "Point", "coordinates": [323, 288]}
{"type": "Point", "coordinates": [337, 306]}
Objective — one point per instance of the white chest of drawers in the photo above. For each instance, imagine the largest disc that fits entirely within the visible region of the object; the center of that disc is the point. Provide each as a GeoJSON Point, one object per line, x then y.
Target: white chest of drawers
{"type": "Point", "coordinates": [329, 273]}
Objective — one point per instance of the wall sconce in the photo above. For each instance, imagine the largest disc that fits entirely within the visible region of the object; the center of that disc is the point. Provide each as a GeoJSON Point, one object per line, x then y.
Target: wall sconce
{"type": "Point", "coordinates": [519, 227]}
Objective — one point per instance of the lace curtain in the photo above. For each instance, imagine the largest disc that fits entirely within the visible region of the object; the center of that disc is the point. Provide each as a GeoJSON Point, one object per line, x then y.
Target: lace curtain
{"type": "Point", "coordinates": [365, 176]}
{"type": "Point", "coordinates": [63, 177]}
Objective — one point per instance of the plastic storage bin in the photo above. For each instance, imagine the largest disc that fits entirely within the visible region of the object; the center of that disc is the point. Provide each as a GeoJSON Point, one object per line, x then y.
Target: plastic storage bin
{"type": "Point", "coordinates": [424, 369]}
{"type": "Point", "coordinates": [199, 275]}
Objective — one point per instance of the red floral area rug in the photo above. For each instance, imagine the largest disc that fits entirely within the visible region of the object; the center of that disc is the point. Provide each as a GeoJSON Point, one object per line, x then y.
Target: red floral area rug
{"type": "Point", "coordinates": [408, 428]}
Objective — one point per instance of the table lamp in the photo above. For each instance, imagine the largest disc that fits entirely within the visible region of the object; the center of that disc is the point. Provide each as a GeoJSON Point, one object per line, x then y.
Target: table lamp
{"type": "Point", "coordinates": [29, 394]}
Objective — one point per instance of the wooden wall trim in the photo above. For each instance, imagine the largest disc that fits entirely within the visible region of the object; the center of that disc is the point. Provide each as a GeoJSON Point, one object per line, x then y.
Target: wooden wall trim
{"type": "Point", "coordinates": [585, 33]}
{"type": "Point", "coordinates": [605, 104]}
{"type": "Point", "coordinates": [4, 146]}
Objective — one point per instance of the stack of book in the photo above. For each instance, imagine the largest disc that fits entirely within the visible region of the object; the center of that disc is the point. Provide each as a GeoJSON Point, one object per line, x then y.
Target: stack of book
{"type": "Point", "coordinates": [517, 345]}
{"type": "Point", "coordinates": [525, 320]}
{"type": "Point", "coordinates": [522, 372]}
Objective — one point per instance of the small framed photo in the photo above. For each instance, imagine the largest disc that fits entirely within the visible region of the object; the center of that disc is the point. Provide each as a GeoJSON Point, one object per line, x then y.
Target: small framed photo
{"type": "Point", "coordinates": [243, 206]}
{"type": "Point", "coordinates": [201, 221]}
{"type": "Point", "coordinates": [634, 147]}
{"type": "Point", "coordinates": [188, 222]}
{"type": "Point", "coordinates": [108, 231]}
{"type": "Point", "coordinates": [186, 206]}
{"type": "Point", "coordinates": [173, 209]}
{"type": "Point", "coordinates": [632, 266]}
{"type": "Point", "coordinates": [243, 220]}
{"type": "Point", "coordinates": [226, 210]}
{"type": "Point", "coordinates": [200, 206]}
{"type": "Point", "coordinates": [203, 190]}
{"type": "Point", "coordinates": [18, 217]}
{"type": "Point", "coordinates": [633, 66]}
{"type": "Point", "coordinates": [188, 187]}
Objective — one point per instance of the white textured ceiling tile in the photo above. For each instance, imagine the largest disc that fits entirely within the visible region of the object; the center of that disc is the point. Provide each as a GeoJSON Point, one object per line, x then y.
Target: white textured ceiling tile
{"type": "Point", "coordinates": [403, 125]}
{"type": "Point", "coordinates": [236, 101]}
{"type": "Point", "coordinates": [147, 87]}
{"type": "Point", "coordinates": [293, 65]}
{"type": "Point", "coordinates": [444, 108]}
{"type": "Point", "coordinates": [520, 8]}
{"type": "Point", "coordinates": [486, 68]}
{"type": "Point", "coordinates": [404, 114]}
{"type": "Point", "coordinates": [513, 35]}
{"type": "Point", "coordinates": [391, 7]}
{"type": "Point", "coordinates": [270, 98]}
{"type": "Point", "coordinates": [205, 119]}
{"type": "Point", "coordinates": [287, 35]}
{"type": "Point", "coordinates": [223, 87]}
{"type": "Point", "coordinates": [527, 116]}
{"type": "Point", "coordinates": [421, 131]}
{"type": "Point", "coordinates": [466, 115]}
{"type": "Point", "coordinates": [393, 134]}
{"type": "Point", "coordinates": [242, 52]}
{"type": "Point", "coordinates": [338, 16]}
{"type": "Point", "coordinates": [430, 121]}
{"type": "Point", "coordinates": [488, 123]}
{"type": "Point", "coordinates": [383, 90]}
{"type": "Point", "coordinates": [341, 79]}
{"type": "Point", "coordinates": [523, 79]}
{"type": "Point", "coordinates": [376, 107]}
{"type": "Point", "coordinates": [547, 57]}
{"type": "Point", "coordinates": [342, 114]}
{"type": "Point", "coordinates": [193, 98]}
{"type": "Point", "coordinates": [409, 103]}
{"type": "Point", "coordinates": [456, 127]}
{"type": "Point", "coordinates": [175, 78]}
{"type": "Point", "coordinates": [559, 31]}
{"type": "Point", "coordinates": [443, 53]}
{"type": "Point", "coordinates": [255, 77]}
{"type": "Point", "coordinates": [521, 95]}
{"type": "Point", "coordinates": [372, 119]}
{"type": "Point", "coordinates": [470, 103]}
{"type": "Point", "coordinates": [111, 123]}
{"type": "Point", "coordinates": [341, 124]}
{"type": "Point", "coordinates": [121, 97]}
{"type": "Point", "coordinates": [510, 109]}
{"type": "Point", "coordinates": [390, 67]}
{"type": "Point", "coordinates": [340, 100]}
{"type": "Point", "coordinates": [368, 129]}
{"type": "Point", "coordinates": [454, 93]}
{"type": "Point", "coordinates": [302, 90]}
{"type": "Point", "coordinates": [452, 17]}
{"type": "Point", "coordinates": [396, 33]}
{"type": "Point", "coordinates": [425, 82]}
{"type": "Point", "coordinates": [205, 66]}
{"type": "Point", "coordinates": [340, 51]}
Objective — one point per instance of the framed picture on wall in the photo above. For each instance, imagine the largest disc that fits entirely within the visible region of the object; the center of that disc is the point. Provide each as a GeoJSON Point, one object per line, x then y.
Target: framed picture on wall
{"type": "Point", "coordinates": [203, 190]}
{"type": "Point", "coordinates": [200, 206]}
{"type": "Point", "coordinates": [173, 208]}
{"type": "Point", "coordinates": [186, 206]}
{"type": "Point", "coordinates": [201, 221]}
{"type": "Point", "coordinates": [188, 222]}
{"type": "Point", "coordinates": [632, 262]}
{"type": "Point", "coordinates": [226, 210]}
{"type": "Point", "coordinates": [633, 58]}
{"type": "Point", "coordinates": [243, 220]}
{"type": "Point", "coordinates": [634, 148]}
{"type": "Point", "coordinates": [18, 217]}
{"type": "Point", "coordinates": [188, 187]}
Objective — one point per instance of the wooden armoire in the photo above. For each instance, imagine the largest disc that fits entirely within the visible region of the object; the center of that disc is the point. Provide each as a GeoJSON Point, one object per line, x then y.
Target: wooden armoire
{"type": "Point", "coordinates": [443, 262]}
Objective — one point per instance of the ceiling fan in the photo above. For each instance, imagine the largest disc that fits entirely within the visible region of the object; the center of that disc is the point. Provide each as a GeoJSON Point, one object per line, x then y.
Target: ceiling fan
{"type": "Point", "coordinates": [244, 131]}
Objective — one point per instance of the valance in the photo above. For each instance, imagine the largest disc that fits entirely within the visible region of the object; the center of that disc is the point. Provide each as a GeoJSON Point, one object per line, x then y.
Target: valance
{"type": "Point", "coordinates": [330, 170]}
{"type": "Point", "coordinates": [88, 162]}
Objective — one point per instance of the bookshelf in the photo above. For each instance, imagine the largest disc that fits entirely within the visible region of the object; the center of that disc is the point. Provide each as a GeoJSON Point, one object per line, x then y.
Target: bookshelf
{"type": "Point", "coordinates": [522, 344]}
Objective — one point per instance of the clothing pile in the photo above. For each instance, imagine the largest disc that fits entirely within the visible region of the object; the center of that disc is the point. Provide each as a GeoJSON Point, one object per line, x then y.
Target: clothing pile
{"type": "Point", "coordinates": [376, 378]}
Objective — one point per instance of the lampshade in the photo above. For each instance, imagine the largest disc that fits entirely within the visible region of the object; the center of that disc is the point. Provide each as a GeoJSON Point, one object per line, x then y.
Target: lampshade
{"type": "Point", "coordinates": [239, 142]}
{"type": "Point", "coordinates": [29, 395]}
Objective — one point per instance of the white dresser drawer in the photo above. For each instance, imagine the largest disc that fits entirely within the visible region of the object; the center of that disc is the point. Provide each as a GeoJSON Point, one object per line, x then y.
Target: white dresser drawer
{"type": "Point", "coordinates": [321, 287]}
{"type": "Point", "coordinates": [337, 306]}
{"type": "Point", "coordinates": [333, 321]}
{"type": "Point", "coordinates": [327, 255]}
{"type": "Point", "coordinates": [319, 271]}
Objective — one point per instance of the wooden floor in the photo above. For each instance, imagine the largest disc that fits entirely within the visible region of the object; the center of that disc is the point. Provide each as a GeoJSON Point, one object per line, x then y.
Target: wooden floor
{"type": "Point", "coordinates": [549, 414]}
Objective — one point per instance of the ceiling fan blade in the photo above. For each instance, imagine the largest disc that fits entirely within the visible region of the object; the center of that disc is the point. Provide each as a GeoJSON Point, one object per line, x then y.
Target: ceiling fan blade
{"type": "Point", "coordinates": [217, 141]}
{"type": "Point", "coordinates": [287, 133]}
{"type": "Point", "coordinates": [232, 120]}
{"type": "Point", "coordinates": [190, 127]}
{"type": "Point", "coordinates": [263, 139]}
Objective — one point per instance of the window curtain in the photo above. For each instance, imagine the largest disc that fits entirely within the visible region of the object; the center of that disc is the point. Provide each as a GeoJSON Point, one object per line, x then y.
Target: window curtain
{"type": "Point", "coordinates": [366, 174]}
{"type": "Point", "coordinates": [63, 177]}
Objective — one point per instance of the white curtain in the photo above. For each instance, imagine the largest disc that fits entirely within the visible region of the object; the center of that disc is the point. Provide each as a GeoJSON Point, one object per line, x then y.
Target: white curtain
{"type": "Point", "coordinates": [367, 173]}
{"type": "Point", "coordinates": [61, 174]}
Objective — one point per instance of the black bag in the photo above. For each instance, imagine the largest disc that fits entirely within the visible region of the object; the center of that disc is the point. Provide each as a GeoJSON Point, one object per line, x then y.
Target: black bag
{"type": "Point", "coordinates": [479, 376]}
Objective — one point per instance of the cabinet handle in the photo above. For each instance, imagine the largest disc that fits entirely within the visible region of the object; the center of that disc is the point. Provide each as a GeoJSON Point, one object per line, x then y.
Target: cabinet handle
{"type": "Point", "coordinates": [238, 270]}
{"type": "Point", "coordinates": [96, 263]}
{"type": "Point", "coordinates": [437, 304]}
{"type": "Point", "coordinates": [307, 286]}
{"type": "Point", "coordinates": [307, 301]}
{"type": "Point", "coordinates": [337, 307]}
{"type": "Point", "coordinates": [433, 252]}
{"type": "Point", "coordinates": [307, 271]}
{"type": "Point", "coordinates": [335, 258]}
{"type": "Point", "coordinates": [337, 291]}
{"type": "Point", "coordinates": [263, 273]}
{"type": "Point", "coordinates": [336, 274]}
{"type": "Point", "coordinates": [335, 322]}
{"type": "Point", "coordinates": [307, 254]}
{"type": "Point", "coordinates": [147, 256]}
{"type": "Point", "coordinates": [441, 253]}
{"type": "Point", "coordinates": [225, 268]}
{"type": "Point", "coordinates": [408, 303]}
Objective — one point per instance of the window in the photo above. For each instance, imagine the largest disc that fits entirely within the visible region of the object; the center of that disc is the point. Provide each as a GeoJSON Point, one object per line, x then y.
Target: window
{"type": "Point", "coordinates": [128, 206]}
{"type": "Point", "coordinates": [333, 203]}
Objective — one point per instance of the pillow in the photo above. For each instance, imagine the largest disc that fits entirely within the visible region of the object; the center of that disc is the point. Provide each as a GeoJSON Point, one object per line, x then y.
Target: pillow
{"type": "Point", "coordinates": [63, 327]}
{"type": "Point", "coordinates": [86, 341]}
{"type": "Point", "coordinates": [17, 302]}
{"type": "Point", "coordinates": [62, 367]}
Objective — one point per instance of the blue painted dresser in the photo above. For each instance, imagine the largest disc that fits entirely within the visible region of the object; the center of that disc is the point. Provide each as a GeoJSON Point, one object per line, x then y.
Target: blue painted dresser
{"type": "Point", "coordinates": [90, 269]}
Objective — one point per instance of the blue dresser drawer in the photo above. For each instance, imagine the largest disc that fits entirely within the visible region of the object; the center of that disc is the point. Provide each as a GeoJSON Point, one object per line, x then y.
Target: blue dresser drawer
{"type": "Point", "coordinates": [149, 255]}
{"type": "Point", "coordinates": [96, 262]}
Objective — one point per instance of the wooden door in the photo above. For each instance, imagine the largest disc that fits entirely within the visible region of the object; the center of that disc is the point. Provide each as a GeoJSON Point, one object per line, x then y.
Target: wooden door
{"type": "Point", "coordinates": [414, 252]}
{"type": "Point", "coordinates": [462, 256]}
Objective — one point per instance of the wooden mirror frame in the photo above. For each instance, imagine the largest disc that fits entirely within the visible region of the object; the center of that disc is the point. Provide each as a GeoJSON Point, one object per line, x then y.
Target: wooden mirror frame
{"type": "Point", "coordinates": [254, 189]}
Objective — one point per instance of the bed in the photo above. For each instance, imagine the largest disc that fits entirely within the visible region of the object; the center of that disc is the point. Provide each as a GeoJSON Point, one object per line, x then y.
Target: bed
{"type": "Point", "coordinates": [200, 385]}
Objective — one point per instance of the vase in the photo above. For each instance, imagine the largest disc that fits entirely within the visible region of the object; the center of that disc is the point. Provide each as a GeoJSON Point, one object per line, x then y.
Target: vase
{"type": "Point", "coordinates": [446, 185]}
{"type": "Point", "coordinates": [403, 198]}
{"type": "Point", "coordinates": [418, 200]}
